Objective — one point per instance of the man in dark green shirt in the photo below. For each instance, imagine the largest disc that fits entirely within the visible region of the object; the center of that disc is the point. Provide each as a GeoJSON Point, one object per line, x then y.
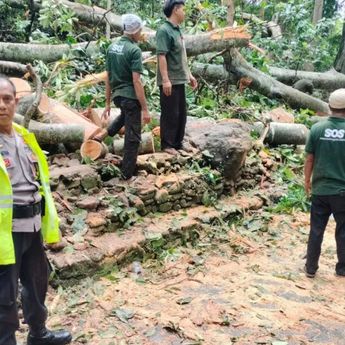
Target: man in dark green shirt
{"type": "Point", "coordinates": [325, 163]}
{"type": "Point", "coordinates": [172, 75]}
{"type": "Point", "coordinates": [124, 87]}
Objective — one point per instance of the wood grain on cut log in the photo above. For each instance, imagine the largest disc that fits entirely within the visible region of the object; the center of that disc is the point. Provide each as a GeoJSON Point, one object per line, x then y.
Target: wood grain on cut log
{"type": "Point", "coordinates": [23, 88]}
{"type": "Point", "coordinates": [54, 134]}
{"type": "Point", "coordinates": [93, 149]}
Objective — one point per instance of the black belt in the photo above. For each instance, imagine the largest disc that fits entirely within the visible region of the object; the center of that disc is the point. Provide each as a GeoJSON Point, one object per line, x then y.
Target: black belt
{"type": "Point", "coordinates": [26, 211]}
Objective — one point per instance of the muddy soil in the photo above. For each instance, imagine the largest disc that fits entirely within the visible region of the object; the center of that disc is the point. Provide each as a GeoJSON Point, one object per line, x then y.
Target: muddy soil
{"type": "Point", "coordinates": [244, 290]}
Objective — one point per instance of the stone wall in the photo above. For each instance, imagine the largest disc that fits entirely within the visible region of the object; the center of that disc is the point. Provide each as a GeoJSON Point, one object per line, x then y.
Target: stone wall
{"type": "Point", "coordinates": [86, 202]}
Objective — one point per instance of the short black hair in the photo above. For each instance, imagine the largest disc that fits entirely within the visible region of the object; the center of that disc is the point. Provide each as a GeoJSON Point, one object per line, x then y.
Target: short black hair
{"type": "Point", "coordinates": [170, 5]}
{"type": "Point", "coordinates": [5, 79]}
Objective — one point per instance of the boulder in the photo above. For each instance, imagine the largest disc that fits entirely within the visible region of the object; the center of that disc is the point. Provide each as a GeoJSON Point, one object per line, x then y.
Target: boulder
{"type": "Point", "coordinates": [226, 142]}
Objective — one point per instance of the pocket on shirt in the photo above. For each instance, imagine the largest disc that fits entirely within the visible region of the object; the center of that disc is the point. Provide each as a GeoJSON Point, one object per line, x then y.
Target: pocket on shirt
{"type": "Point", "coordinates": [33, 163]}
{"type": "Point", "coordinates": [6, 286]}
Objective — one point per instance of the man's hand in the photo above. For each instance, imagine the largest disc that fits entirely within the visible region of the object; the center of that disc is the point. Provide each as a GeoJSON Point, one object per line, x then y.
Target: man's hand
{"type": "Point", "coordinates": [167, 87]}
{"type": "Point", "coordinates": [193, 82]}
{"type": "Point", "coordinates": [106, 113]}
{"type": "Point", "coordinates": [146, 117]}
{"type": "Point", "coordinates": [307, 187]}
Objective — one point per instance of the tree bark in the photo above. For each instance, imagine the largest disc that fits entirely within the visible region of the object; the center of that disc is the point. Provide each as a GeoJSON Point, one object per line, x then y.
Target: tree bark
{"type": "Point", "coordinates": [318, 11]}
{"type": "Point", "coordinates": [216, 40]}
{"type": "Point", "coordinates": [339, 63]}
{"type": "Point", "coordinates": [330, 80]}
{"type": "Point", "coordinates": [231, 12]}
{"type": "Point", "coordinates": [146, 145]}
{"type": "Point", "coordinates": [283, 133]}
{"type": "Point", "coordinates": [260, 82]}
{"type": "Point", "coordinates": [36, 101]}
{"type": "Point", "coordinates": [53, 134]}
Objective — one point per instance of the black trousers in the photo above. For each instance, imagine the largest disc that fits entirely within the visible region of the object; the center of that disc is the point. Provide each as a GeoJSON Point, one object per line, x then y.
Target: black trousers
{"type": "Point", "coordinates": [130, 117]}
{"type": "Point", "coordinates": [31, 268]}
{"type": "Point", "coordinates": [173, 117]}
{"type": "Point", "coordinates": [321, 209]}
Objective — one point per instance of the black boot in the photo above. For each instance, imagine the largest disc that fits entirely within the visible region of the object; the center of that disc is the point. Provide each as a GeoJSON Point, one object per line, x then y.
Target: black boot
{"type": "Point", "coordinates": [46, 337]}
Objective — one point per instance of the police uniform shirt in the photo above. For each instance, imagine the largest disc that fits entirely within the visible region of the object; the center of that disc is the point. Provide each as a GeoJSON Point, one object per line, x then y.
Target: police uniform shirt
{"type": "Point", "coordinates": [21, 166]}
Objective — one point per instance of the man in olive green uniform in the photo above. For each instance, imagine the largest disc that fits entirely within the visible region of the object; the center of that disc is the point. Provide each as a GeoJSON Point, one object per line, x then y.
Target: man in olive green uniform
{"type": "Point", "coordinates": [325, 163]}
{"type": "Point", "coordinates": [24, 220]}
{"type": "Point", "coordinates": [123, 86]}
{"type": "Point", "coordinates": [172, 75]}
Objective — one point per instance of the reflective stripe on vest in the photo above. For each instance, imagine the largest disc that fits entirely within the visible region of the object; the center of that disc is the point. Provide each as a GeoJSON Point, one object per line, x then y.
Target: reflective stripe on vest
{"type": "Point", "coordinates": [50, 221]}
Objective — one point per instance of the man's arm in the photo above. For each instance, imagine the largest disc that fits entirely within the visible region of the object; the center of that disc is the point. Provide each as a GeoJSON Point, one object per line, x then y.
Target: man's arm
{"type": "Point", "coordinates": [308, 170]}
{"type": "Point", "coordinates": [163, 68]}
{"type": "Point", "coordinates": [140, 93]}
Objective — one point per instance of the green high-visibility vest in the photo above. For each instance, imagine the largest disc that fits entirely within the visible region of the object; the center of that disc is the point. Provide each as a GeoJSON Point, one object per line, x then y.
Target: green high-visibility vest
{"type": "Point", "coordinates": [50, 221]}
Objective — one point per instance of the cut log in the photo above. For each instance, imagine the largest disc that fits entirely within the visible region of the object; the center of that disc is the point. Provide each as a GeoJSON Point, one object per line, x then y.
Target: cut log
{"type": "Point", "coordinates": [60, 113]}
{"type": "Point", "coordinates": [23, 88]}
{"type": "Point", "coordinates": [283, 133]}
{"type": "Point", "coordinates": [54, 134]}
{"type": "Point", "coordinates": [146, 146]}
{"type": "Point", "coordinates": [93, 149]}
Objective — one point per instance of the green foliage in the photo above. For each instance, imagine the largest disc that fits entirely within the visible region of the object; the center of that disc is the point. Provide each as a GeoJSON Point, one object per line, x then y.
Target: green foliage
{"type": "Point", "coordinates": [302, 42]}
{"type": "Point", "coordinates": [126, 215]}
{"type": "Point", "coordinates": [13, 24]}
{"type": "Point", "coordinates": [109, 171]}
{"type": "Point", "coordinates": [57, 17]}
{"type": "Point", "coordinates": [294, 200]}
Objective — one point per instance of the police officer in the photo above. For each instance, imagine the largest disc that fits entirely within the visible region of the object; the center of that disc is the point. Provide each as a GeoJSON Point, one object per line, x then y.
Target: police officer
{"type": "Point", "coordinates": [325, 164]}
{"type": "Point", "coordinates": [123, 86]}
{"type": "Point", "coordinates": [25, 221]}
{"type": "Point", "coordinates": [172, 75]}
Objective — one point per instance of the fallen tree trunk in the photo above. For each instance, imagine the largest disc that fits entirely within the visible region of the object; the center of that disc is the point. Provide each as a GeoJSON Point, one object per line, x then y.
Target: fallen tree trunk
{"type": "Point", "coordinates": [54, 134]}
{"type": "Point", "coordinates": [259, 82]}
{"type": "Point", "coordinates": [216, 40]}
{"type": "Point", "coordinates": [330, 80]}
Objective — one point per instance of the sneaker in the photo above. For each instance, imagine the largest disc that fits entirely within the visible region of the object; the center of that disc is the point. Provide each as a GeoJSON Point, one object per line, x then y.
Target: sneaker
{"type": "Point", "coordinates": [308, 274]}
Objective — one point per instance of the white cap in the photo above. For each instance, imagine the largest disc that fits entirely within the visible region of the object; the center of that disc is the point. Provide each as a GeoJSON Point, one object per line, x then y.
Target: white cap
{"type": "Point", "coordinates": [337, 99]}
{"type": "Point", "coordinates": [131, 23]}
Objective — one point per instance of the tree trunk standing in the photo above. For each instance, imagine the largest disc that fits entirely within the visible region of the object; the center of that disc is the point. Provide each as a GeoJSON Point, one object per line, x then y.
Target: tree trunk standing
{"type": "Point", "coordinates": [339, 63]}
{"type": "Point", "coordinates": [318, 11]}
{"type": "Point", "coordinates": [231, 12]}
{"type": "Point", "coordinates": [108, 25]}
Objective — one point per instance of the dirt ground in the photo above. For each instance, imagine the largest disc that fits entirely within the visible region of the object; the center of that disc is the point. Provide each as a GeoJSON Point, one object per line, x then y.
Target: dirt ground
{"type": "Point", "coordinates": [247, 290]}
